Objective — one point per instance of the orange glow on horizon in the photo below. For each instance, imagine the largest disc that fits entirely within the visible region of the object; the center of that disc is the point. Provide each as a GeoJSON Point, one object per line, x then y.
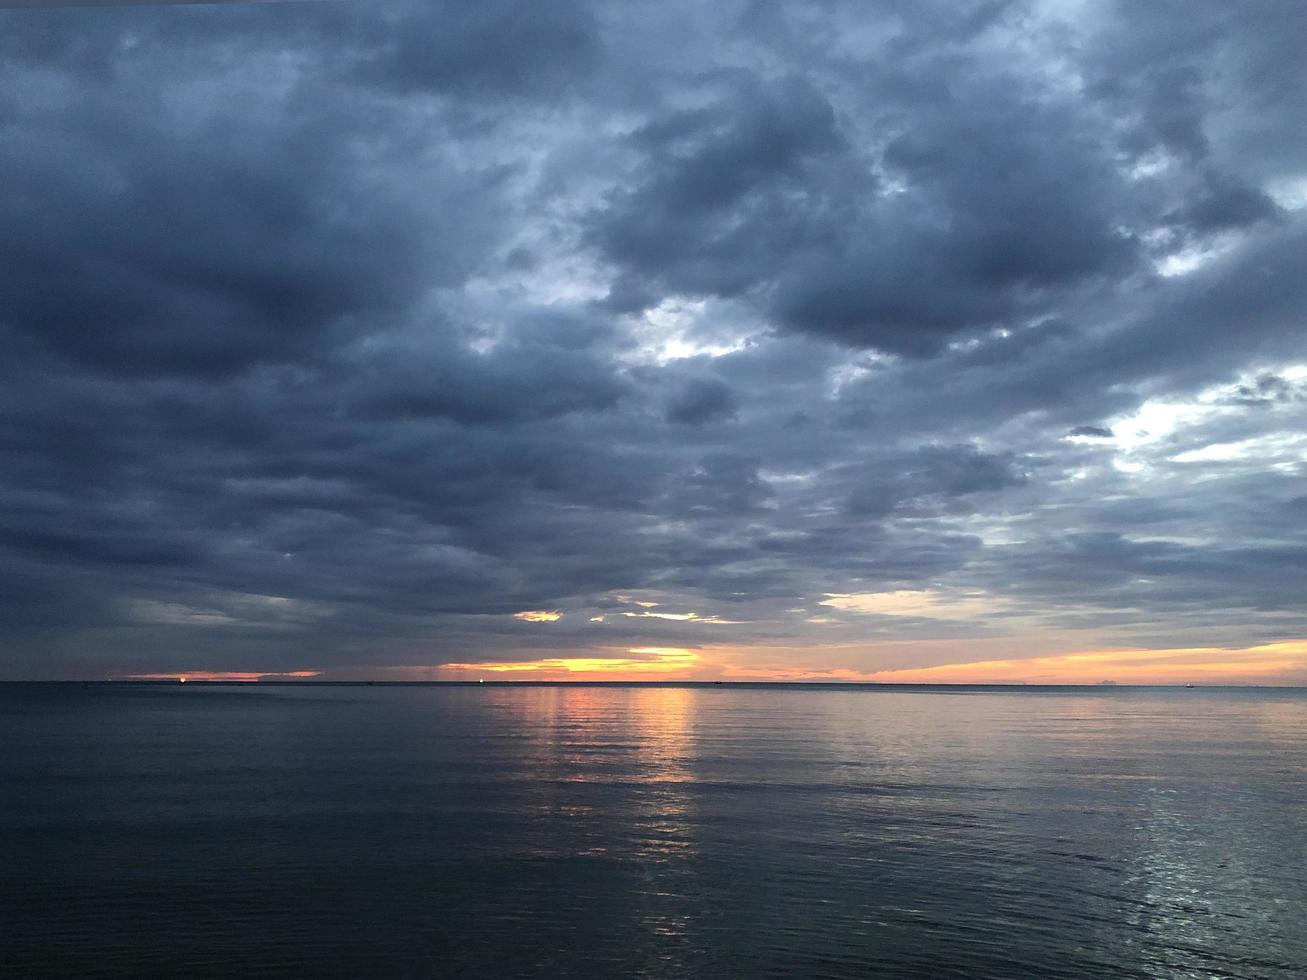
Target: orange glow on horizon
{"type": "Point", "coordinates": [1274, 663]}
{"type": "Point", "coordinates": [243, 676]}
{"type": "Point", "coordinates": [1283, 663]}
{"type": "Point", "coordinates": [659, 661]}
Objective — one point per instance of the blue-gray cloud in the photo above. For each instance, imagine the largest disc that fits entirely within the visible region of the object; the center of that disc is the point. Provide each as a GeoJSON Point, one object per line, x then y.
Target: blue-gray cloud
{"type": "Point", "coordinates": [332, 334]}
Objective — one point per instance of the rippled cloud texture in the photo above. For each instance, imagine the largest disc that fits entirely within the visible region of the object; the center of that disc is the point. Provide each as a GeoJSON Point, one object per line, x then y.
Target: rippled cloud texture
{"type": "Point", "coordinates": [671, 339]}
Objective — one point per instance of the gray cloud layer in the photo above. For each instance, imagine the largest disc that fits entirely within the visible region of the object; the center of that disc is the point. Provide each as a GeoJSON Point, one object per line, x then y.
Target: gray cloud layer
{"type": "Point", "coordinates": [333, 334]}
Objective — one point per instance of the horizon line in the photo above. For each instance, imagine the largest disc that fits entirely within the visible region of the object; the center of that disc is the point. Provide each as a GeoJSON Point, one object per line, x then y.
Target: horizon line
{"type": "Point", "coordinates": [273, 682]}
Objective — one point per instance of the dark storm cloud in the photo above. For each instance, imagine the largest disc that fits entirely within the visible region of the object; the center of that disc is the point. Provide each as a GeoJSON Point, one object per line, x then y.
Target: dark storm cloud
{"type": "Point", "coordinates": [991, 198]}
{"type": "Point", "coordinates": [514, 383]}
{"type": "Point", "coordinates": [967, 242]}
{"type": "Point", "coordinates": [48, 4]}
{"type": "Point", "coordinates": [332, 334]}
{"type": "Point", "coordinates": [1218, 207]}
{"type": "Point", "coordinates": [701, 400]}
{"type": "Point", "coordinates": [152, 238]}
{"type": "Point", "coordinates": [722, 188]}
{"type": "Point", "coordinates": [931, 480]}
{"type": "Point", "coordinates": [484, 49]}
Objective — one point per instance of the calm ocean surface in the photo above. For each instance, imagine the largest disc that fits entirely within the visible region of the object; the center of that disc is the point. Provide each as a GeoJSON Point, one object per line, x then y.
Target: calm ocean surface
{"type": "Point", "coordinates": [652, 831]}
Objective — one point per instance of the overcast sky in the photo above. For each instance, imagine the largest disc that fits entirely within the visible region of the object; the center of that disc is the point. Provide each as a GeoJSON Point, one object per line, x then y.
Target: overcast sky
{"type": "Point", "coordinates": [901, 340]}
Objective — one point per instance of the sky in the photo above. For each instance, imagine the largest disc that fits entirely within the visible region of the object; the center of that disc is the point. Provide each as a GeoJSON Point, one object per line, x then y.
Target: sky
{"type": "Point", "coordinates": [898, 341]}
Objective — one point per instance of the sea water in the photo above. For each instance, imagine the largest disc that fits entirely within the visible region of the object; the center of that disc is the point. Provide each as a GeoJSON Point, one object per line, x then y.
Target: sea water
{"type": "Point", "coordinates": [652, 831]}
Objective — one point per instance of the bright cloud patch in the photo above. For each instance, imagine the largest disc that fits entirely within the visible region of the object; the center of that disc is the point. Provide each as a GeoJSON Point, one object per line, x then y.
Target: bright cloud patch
{"type": "Point", "coordinates": [684, 618]}
{"type": "Point", "coordinates": [929, 603]}
{"type": "Point", "coordinates": [538, 615]}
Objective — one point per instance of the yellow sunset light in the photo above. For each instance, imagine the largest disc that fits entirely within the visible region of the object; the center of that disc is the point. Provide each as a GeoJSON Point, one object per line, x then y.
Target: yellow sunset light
{"type": "Point", "coordinates": [538, 615]}
{"type": "Point", "coordinates": [643, 660]}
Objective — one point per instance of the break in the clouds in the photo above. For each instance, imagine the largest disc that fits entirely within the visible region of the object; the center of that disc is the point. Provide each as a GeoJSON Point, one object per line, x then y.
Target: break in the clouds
{"type": "Point", "coordinates": [806, 339]}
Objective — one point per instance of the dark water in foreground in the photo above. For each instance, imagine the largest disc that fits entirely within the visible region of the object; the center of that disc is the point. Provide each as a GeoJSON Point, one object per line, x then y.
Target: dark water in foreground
{"type": "Point", "coordinates": [652, 831]}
